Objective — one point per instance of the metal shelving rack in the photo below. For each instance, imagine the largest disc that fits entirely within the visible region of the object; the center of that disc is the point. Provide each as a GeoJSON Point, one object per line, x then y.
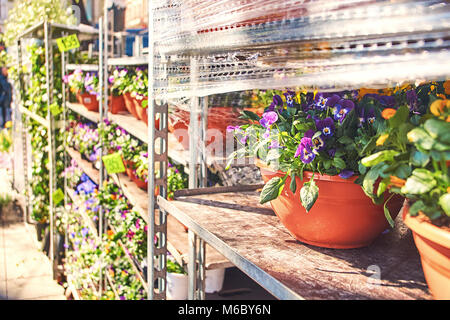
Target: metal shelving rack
{"type": "Point", "coordinates": [48, 32]}
{"type": "Point", "coordinates": [327, 46]}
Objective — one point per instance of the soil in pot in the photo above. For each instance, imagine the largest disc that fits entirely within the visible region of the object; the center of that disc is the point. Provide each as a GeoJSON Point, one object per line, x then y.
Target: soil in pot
{"type": "Point", "coordinates": [343, 217]}
{"type": "Point", "coordinates": [116, 104]}
{"type": "Point", "coordinates": [129, 104]}
{"type": "Point", "coordinates": [433, 244]}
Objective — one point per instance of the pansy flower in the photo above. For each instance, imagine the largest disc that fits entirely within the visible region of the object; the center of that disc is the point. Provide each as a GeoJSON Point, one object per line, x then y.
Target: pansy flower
{"type": "Point", "coordinates": [289, 98]}
{"type": "Point", "coordinates": [326, 126]}
{"type": "Point", "coordinates": [317, 143]}
{"type": "Point", "coordinates": [342, 108]}
{"type": "Point", "coordinates": [321, 101]}
{"type": "Point", "coordinates": [268, 119]}
{"type": "Point", "coordinates": [371, 116]}
{"type": "Point", "coordinates": [276, 105]}
{"type": "Point", "coordinates": [305, 150]}
{"type": "Point", "coordinates": [345, 174]}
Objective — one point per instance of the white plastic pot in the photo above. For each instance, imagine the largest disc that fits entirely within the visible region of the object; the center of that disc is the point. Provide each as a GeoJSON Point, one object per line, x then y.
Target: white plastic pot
{"type": "Point", "coordinates": [214, 280]}
{"type": "Point", "coordinates": [177, 286]}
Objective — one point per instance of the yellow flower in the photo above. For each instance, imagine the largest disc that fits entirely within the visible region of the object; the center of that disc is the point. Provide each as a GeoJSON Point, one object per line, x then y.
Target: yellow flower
{"type": "Point", "coordinates": [448, 189]}
{"type": "Point", "coordinates": [8, 124]}
{"type": "Point", "coordinates": [438, 106]}
{"type": "Point", "coordinates": [382, 139]}
{"type": "Point", "coordinates": [363, 91]}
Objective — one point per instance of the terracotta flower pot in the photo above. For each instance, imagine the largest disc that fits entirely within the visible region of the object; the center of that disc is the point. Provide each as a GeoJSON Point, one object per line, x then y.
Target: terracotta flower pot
{"type": "Point", "coordinates": [343, 217]}
{"type": "Point", "coordinates": [140, 183]}
{"type": "Point", "coordinates": [219, 118]}
{"type": "Point", "coordinates": [141, 112]}
{"type": "Point", "coordinates": [129, 105]}
{"type": "Point", "coordinates": [433, 244]}
{"type": "Point", "coordinates": [129, 167]}
{"type": "Point", "coordinates": [116, 104]}
{"type": "Point", "coordinates": [89, 101]}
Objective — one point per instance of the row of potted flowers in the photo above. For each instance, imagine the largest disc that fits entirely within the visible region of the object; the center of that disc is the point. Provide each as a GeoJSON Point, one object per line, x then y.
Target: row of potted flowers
{"type": "Point", "coordinates": [365, 151]}
{"type": "Point", "coordinates": [128, 91]}
{"type": "Point", "coordinates": [84, 137]}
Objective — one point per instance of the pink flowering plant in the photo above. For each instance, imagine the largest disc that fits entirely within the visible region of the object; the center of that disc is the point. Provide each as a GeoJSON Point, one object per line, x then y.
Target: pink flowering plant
{"type": "Point", "coordinates": [324, 133]}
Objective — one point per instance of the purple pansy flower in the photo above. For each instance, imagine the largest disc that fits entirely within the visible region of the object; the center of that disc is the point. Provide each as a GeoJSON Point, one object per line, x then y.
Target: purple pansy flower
{"type": "Point", "coordinates": [317, 143]}
{"type": "Point", "coordinates": [345, 174]}
{"type": "Point", "coordinates": [289, 98]}
{"type": "Point", "coordinates": [268, 119]}
{"type": "Point", "coordinates": [342, 108]}
{"type": "Point", "coordinates": [371, 116]}
{"type": "Point", "coordinates": [322, 101]}
{"type": "Point", "coordinates": [305, 151]}
{"type": "Point", "coordinates": [411, 99]}
{"type": "Point", "coordinates": [275, 145]}
{"type": "Point", "coordinates": [276, 105]}
{"type": "Point", "coordinates": [233, 128]}
{"type": "Point", "coordinates": [326, 126]}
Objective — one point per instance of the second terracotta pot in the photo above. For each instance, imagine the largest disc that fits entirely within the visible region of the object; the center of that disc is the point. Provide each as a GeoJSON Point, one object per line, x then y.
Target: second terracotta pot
{"type": "Point", "coordinates": [89, 101]}
{"type": "Point", "coordinates": [116, 104]}
{"type": "Point", "coordinates": [129, 104]}
{"type": "Point", "coordinates": [343, 217]}
{"type": "Point", "coordinates": [433, 244]}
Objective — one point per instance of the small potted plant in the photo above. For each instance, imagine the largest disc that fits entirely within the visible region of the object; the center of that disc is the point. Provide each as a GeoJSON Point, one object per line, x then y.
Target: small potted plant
{"type": "Point", "coordinates": [139, 94]}
{"type": "Point", "coordinates": [90, 99]}
{"type": "Point", "coordinates": [417, 169]}
{"type": "Point", "coordinates": [306, 142]}
{"type": "Point", "coordinates": [117, 83]}
{"type": "Point", "coordinates": [141, 171]}
{"type": "Point", "coordinates": [177, 281]}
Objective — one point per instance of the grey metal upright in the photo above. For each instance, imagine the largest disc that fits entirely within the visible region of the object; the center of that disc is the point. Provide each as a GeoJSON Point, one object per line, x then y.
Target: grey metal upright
{"type": "Point", "coordinates": [157, 161]}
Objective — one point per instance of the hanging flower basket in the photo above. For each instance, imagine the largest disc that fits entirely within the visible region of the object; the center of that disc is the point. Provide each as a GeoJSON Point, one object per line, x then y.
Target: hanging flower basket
{"type": "Point", "coordinates": [433, 244]}
{"type": "Point", "coordinates": [343, 217]}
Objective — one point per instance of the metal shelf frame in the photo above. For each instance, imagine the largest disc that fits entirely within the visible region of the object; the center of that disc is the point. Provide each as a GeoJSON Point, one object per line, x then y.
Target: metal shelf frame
{"type": "Point", "coordinates": [159, 54]}
{"type": "Point", "coordinates": [48, 32]}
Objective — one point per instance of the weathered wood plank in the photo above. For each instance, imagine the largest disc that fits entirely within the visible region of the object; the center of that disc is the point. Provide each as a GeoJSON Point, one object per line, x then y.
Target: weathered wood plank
{"type": "Point", "coordinates": [252, 231]}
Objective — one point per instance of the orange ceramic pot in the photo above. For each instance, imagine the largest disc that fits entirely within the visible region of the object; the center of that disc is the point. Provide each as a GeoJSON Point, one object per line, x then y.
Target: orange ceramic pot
{"type": "Point", "coordinates": [129, 167]}
{"type": "Point", "coordinates": [141, 112]}
{"type": "Point", "coordinates": [343, 217]}
{"type": "Point", "coordinates": [89, 101]}
{"type": "Point", "coordinates": [140, 183]}
{"type": "Point", "coordinates": [433, 244]}
{"type": "Point", "coordinates": [129, 105]}
{"type": "Point", "coordinates": [219, 118]}
{"type": "Point", "coordinates": [116, 104]}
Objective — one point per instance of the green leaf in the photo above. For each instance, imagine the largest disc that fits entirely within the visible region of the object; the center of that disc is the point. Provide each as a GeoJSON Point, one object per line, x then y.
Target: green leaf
{"type": "Point", "coordinates": [444, 202]}
{"type": "Point", "coordinates": [420, 182]}
{"type": "Point", "coordinates": [387, 214]}
{"type": "Point", "coordinates": [382, 186]}
{"type": "Point", "coordinates": [400, 117]}
{"type": "Point", "coordinates": [369, 181]}
{"type": "Point", "coordinates": [245, 114]}
{"type": "Point", "coordinates": [339, 163]}
{"type": "Point", "coordinates": [376, 158]}
{"type": "Point", "coordinates": [273, 154]}
{"type": "Point", "coordinates": [308, 194]}
{"type": "Point", "coordinates": [421, 138]}
{"type": "Point", "coordinates": [403, 171]}
{"type": "Point", "coordinates": [419, 159]}
{"type": "Point", "coordinates": [144, 103]}
{"type": "Point", "coordinates": [345, 140]}
{"type": "Point", "coordinates": [369, 146]}
{"type": "Point", "coordinates": [438, 129]}
{"type": "Point", "coordinates": [272, 189]}
{"type": "Point", "coordinates": [293, 184]}
{"type": "Point", "coordinates": [416, 207]}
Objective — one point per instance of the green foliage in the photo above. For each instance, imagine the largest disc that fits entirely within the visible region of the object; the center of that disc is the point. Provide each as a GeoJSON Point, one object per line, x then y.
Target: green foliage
{"type": "Point", "coordinates": [174, 267]}
{"type": "Point", "coordinates": [27, 13]}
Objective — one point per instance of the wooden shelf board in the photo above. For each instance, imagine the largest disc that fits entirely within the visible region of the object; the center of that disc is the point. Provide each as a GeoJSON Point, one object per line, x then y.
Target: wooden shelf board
{"type": "Point", "coordinates": [252, 237]}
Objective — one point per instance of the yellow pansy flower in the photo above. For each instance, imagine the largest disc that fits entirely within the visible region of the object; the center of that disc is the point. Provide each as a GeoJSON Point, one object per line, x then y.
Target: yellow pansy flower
{"type": "Point", "coordinates": [382, 139]}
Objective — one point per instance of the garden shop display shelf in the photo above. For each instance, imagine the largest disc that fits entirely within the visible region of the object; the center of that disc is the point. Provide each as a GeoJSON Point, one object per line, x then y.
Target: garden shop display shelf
{"type": "Point", "coordinates": [177, 236]}
{"type": "Point", "coordinates": [253, 239]}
